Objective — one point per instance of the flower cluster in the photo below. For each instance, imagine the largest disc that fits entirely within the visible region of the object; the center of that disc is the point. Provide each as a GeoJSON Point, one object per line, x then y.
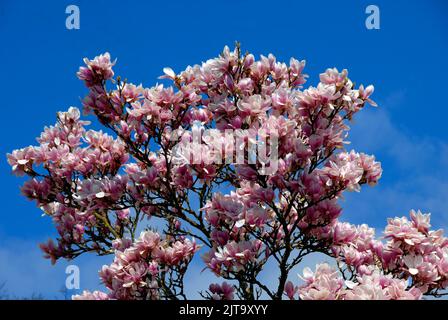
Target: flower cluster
{"type": "Point", "coordinates": [411, 252]}
{"type": "Point", "coordinates": [222, 291]}
{"type": "Point", "coordinates": [415, 251]}
{"type": "Point", "coordinates": [351, 169]}
{"type": "Point", "coordinates": [327, 284]}
{"type": "Point", "coordinates": [138, 267]}
{"type": "Point", "coordinates": [73, 178]}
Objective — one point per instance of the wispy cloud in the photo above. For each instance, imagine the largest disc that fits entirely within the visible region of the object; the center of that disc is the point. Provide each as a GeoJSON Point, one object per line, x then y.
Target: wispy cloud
{"type": "Point", "coordinates": [414, 177]}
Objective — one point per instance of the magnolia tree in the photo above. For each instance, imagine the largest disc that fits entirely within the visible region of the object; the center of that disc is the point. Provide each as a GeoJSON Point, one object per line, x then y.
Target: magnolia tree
{"type": "Point", "coordinates": [240, 163]}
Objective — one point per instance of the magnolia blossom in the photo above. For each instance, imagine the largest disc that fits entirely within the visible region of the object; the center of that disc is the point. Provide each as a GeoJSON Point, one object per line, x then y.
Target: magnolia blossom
{"type": "Point", "coordinates": [222, 291]}
{"type": "Point", "coordinates": [182, 153]}
{"type": "Point", "coordinates": [138, 268]}
{"type": "Point", "coordinates": [326, 284]}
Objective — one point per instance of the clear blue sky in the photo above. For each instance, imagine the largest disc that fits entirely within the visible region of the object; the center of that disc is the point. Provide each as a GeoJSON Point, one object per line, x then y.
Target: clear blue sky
{"type": "Point", "coordinates": [405, 60]}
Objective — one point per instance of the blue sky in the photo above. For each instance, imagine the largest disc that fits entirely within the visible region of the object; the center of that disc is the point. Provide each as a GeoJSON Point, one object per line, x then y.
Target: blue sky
{"type": "Point", "coordinates": [405, 60]}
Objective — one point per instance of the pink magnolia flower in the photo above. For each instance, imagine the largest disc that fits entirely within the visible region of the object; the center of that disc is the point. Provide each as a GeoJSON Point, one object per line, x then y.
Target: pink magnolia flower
{"type": "Point", "coordinates": [420, 221]}
{"type": "Point", "coordinates": [290, 290]}
{"type": "Point", "coordinates": [222, 291]}
{"type": "Point", "coordinates": [401, 229]}
{"type": "Point", "coordinates": [96, 70]}
{"type": "Point", "coordinates": [379, 287]}
{"type": "Point", "coordinates": [323, 284]}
